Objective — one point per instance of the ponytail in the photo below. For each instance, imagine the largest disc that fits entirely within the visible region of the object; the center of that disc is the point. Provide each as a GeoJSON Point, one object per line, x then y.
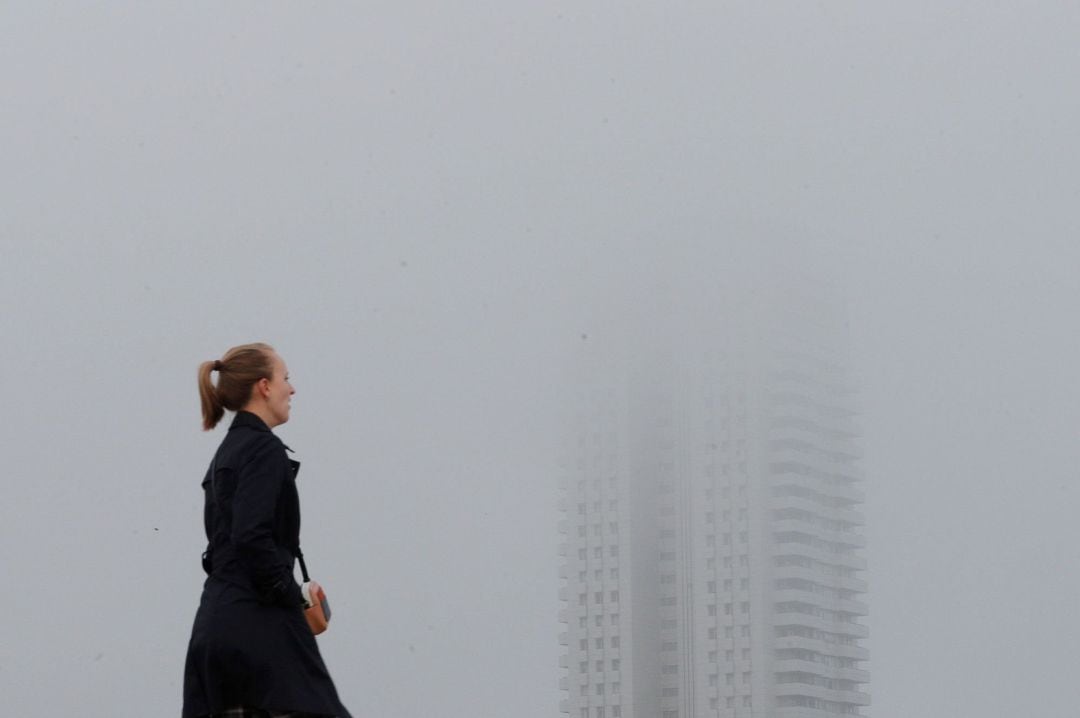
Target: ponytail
{"type": "Point", "coordinates": [238, 372]}
{"type": "Point", "coordinates": [212, 410]}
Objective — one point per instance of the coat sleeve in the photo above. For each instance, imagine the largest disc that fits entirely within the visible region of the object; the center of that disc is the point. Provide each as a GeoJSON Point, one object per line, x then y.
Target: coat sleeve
{"type": "Point", "coordinates": [259, 483]}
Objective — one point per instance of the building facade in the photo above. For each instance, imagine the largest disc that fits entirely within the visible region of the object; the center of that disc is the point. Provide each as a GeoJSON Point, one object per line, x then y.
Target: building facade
{"type": "Point", "coordinates": [710, 518]}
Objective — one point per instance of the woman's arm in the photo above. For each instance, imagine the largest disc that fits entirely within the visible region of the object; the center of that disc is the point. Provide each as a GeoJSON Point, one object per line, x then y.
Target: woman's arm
{"type": "Point", "coordinates": [258, 486]}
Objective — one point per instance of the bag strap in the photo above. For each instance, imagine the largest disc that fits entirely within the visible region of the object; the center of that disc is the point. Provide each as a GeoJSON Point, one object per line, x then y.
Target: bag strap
{"type": "Point", "coordinates": [303, 566]}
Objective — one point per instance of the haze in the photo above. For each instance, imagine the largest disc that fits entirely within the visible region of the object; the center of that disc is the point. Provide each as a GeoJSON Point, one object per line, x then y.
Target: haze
{"type": "Point", "coordinates": [427, 208]}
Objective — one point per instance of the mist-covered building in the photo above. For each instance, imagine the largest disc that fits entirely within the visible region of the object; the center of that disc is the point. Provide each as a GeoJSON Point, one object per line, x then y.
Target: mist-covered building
{"type": "Point", "coordinates": [711, 532]}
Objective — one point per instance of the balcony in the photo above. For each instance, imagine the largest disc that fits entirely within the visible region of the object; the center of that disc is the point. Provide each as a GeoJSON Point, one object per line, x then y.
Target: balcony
{"type": "Point", "coordinates": [785, 405]}
{"type": "Point", "coordinates": [820, 669]}
{"type": "Point", "coordinates": [823, 465]}
{"type": "Point", "coordinates": [795, 548]}
{"type": "Point", "coordinates": [845, 538]}
{"type": "Point", "coordinates": [817, 441]}
{"type": "Point", "coordinates": [792, 618]}
{"type": "Point", "coordinates": [857, 608]}
{"type": "Point", "coordinates": [826, 694]}
{"type": "Point", "coordinates": [817, 485]}
{"type": "Point", "coordinates": [825, 579]}
{"type": "Point", "coordinates": [830, 649]}
{"type": "Point", "coordinates": [817, 502]}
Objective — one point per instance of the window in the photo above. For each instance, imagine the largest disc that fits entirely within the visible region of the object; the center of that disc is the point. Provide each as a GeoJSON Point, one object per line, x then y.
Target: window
{"type": "Point", "coordinates": [667, 578]}
{"type": "Point", "coordinates": [584, 713]}
{"type": "Point", "coordinates": [583, 644]}
{"type": "Point", "coordinates": [599, 597]}
{"type": "Point", "coordinates": [613, 550]}
{"type": "Point", "coordinates": [714, 703]}
{"type": "Point", "coordinates": [599, 689]}
{"type": "Point", "coordinates": [670, 692]}
{"type": "Point", "coordinates": [581, 508]}
{"type": "Point", "coordinates": [729, 632]}
{"type": "Point", "coordinates": [615, 663]}
{"type": "Point", "coordinates": [583, 667]}
{"type": "Point", "coordinates": [712, 633]}
{"type": "Point", "coordinates": [583, 621]}
{"type": "Point", "coordinates": [615, 641]}
{"type": "Point", "coordinates": [581, 531]}
{"type": "Point", "coordinates": [616, 711]}
{"type": "Point", "coordinates": [669, 670]}
{"type": "Point", "coordinates": [581, 554]}
{"type": "Point", "coordinates": [712, 656]}
{"type": "Point", "coordinates": [744, 631]}
{"type": "Point", "coordinates": [582, 598]}
{"type": "Point", "coordinates": [613, 527]}
{"type": "Point", "coordinates": [744, 607]}
{"type": "Point", "coordinates": [614, 596]}
{"type": "Point", "coordinates": [727, 609]}
{"type": "Point", "coordinates": [584, 691]}
{"type": "Point", "coordinates": [600, 642]}
{"type": "Point", "coordinates": [614, 619]}
{"type": "Point", "coordinates": [598, 619]}
{"type": "Point", "coordinates": [596, 529]}
{"type": "Point", "coordinates": [581, 576]}
{"type": "Point", "coordinates": [713, 679]}
{"type": "Point", "coordinates": [598, 552]}
{"type": "Point", "coordinates": [746, 654]}
{"type": "Point", "coordinates": [746, 677]}
{"type": "Point", "coordinates": [613, 573]}
{"type": "Point", "coordinates": [712, 609]}
{"type": "Point", "coordinates": [599, 666]}
{"type": "Point", "coordinates": [616, 687]}
{"type": "Point", "coordinates": [712, 586]}
{"type": "Point", "coordinates": [669, 646]}
{"type": "Point", "coordinates": [746, 701]}
{"type": "Point", "coordinates": [599, 711]}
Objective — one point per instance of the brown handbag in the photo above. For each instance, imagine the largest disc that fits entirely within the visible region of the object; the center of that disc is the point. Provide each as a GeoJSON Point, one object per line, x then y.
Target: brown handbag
{"type": "Point", "coordinates": [318, 613]}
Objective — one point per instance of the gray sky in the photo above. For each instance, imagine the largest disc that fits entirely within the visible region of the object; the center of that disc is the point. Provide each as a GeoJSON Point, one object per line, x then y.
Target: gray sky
{"type": "Point", "coordinates": [424, 208]}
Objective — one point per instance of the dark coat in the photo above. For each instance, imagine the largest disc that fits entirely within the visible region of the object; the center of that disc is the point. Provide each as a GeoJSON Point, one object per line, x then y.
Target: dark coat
{"type": "Point", "coordinates": [250, 645]}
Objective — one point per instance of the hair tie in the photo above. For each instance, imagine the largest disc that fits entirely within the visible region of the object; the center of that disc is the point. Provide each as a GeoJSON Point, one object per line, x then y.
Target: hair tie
{"type": "Point", "coordinates": [217, 365]}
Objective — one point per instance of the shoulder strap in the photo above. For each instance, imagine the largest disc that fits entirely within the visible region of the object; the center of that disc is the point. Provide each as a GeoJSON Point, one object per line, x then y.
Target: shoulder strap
{"type": "Point", "coordinates": [303, 566]}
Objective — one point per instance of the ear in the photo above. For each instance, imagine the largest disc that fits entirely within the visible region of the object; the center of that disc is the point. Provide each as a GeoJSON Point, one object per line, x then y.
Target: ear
{"type": "Point", "coordinates": [264, 387]}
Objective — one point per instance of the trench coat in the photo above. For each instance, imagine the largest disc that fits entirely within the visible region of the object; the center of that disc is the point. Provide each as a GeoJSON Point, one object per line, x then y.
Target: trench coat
{"type": "Point", "coordinates": [250, 644]}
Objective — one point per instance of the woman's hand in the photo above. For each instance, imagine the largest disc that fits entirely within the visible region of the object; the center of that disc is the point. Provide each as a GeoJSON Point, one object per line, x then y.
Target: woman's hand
{"type": "Point", "coordinates": [309, 589]}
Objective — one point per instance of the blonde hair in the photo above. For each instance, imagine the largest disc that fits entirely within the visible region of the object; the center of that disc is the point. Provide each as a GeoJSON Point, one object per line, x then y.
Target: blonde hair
{"type": "Point", "coordinates": [238, 371]}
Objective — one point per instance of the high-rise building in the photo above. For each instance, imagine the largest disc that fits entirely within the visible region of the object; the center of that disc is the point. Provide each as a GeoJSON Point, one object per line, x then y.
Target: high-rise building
{"type": "Point", "coordinates": [710, 515]}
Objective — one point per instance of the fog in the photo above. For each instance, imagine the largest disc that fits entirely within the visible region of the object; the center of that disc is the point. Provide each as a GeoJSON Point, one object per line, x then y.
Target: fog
{"type": "Point", "coordinates": [428, 210]}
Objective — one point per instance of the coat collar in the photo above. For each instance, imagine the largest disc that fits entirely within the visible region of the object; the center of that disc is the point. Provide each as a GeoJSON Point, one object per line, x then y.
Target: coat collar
{"type": "Point", "coordinates": [247, 419]}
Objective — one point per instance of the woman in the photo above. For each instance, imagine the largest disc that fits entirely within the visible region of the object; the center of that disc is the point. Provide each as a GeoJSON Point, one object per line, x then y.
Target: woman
{"type": "Point", "coordinates": [252, 652]}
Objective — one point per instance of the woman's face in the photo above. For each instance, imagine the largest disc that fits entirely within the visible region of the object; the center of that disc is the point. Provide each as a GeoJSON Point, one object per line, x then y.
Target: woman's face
{"type": "Point", "coordinates": [279, 393]}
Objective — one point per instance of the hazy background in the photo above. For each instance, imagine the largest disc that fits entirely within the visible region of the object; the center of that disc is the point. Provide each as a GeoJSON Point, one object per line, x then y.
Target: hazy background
{"type": "Point", "coordinates": [423, 206]}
